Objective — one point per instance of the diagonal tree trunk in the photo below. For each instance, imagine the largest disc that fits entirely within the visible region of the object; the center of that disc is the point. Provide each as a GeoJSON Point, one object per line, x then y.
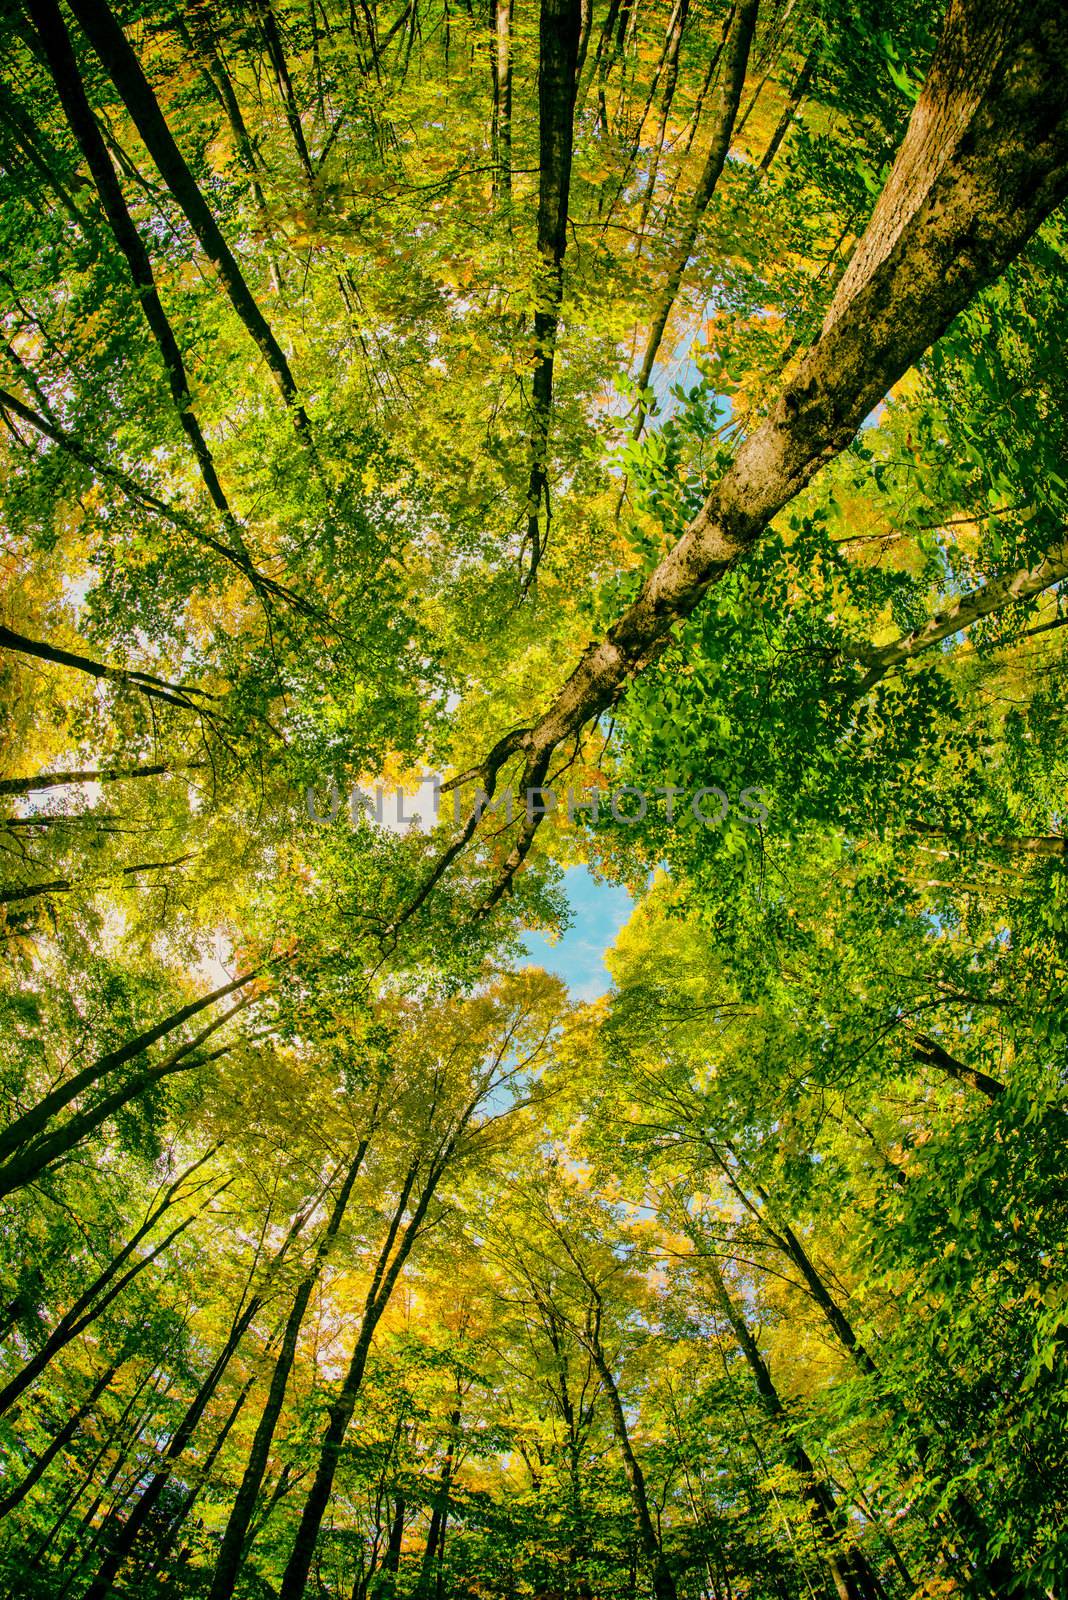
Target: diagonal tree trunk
{"type": "Point", "coordinates": [801, 85]}
{"type": "Point", "coordinates": [963, 612]}
{"type": "Point", "coordinates": [32, 1123]}
{"type": "Point", "coordinates": [36, 1472]}
{"type": "Point", "coordinates": [244, 1316]}
{"type": "Point", "coordinates": [55, 45]}
{"type": "Point", "coordinates": [234, 1536]}
{"type": "Point", "coordinates": [662, 1578]}
{"type": "Point", "coordinates": [110, 44]}
{"type": "Point", "coordinates": [962, 208]}
{"type": "Point", "coordinates": [850, 1571]}
{"type": "Point", "coordinates": [736, 60]}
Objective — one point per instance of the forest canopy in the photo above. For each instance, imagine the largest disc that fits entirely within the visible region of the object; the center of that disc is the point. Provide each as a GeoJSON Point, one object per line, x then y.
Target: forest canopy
{"type": "Point", "coordinates": [642, 424]}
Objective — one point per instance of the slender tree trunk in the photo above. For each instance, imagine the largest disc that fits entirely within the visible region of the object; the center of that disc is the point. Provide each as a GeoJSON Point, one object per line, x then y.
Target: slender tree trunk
{"type": "Point", "coordinates": [122, 1545]}
{"type": "Point", "coordinates": [963, 612]}
{"type": "Point", "coordinates": [384, 1281]}
{"type": "Point", "coordinates": [558, 54]}
{"type": "Point", "coordinates": [111, 46]}
{"type": "Point", "coordinates": [33, 891]}
{"type": "Point", "coordinates": [428, 1584]}
{"type": "Point", "coordinates": [276, 55]}
{"type": "Point", "coordinates": [178, 1521]}
{"type": "Point", "coordinates": [29, 1164]}
{"type": "Point", "coordinates": [234, 1536]}
{"type": "Point", "coordinates": [671, 75]}
{"type": "Point", "coordinates": [234, 553]}
{"type": "Point", "coordinates": [503, 82]}
{"type": "Point", "coordinates": [58, 51]}
{"type": "Point", "coordinates": [662, 1578]}
{"type": "Point", "coordinates": [32, 1123]}
{"type": "Point", "coordinates": [105, 1288]}
{"type": "Point", "coordinates": [735, 63]}
{"type": "Point", "coordinates": [37, 1471]}
{"type": "Point", "coordinates": [63, 780]}
{"type": "Point", "coordinates": [933, 1054]}
{"type": "Point", "coordinates": [802, 84]}
{"type": "Point", "coordinates": [176, 694]}
{"type": "Point", "coordinates": [849, 1568]}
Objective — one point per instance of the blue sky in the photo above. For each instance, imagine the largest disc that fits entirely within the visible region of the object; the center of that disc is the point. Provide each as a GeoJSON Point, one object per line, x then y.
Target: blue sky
{"type": "Point", "coordinates": [599, 910]}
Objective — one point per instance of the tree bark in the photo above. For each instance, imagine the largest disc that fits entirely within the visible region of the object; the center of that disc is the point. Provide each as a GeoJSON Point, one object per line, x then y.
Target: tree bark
{"type": "Point", "coordinates": [32, 1123]}
{"type": "Point", "coordinates": [386, 1273]}
{"type": "Point", "coordinates": [730, 93]}
{"type": "Point", "coordinates": [662, 1578]}
{"type": "Point", "coordinates": [43, 1153]}
{"type": "Point", "coordinates": [105, 1288]}
{"type": "Point", "coordinates": [933, 1054]}
{"type": "Point", "coordinates": [63, 780]}
{"type": "Point", "coordinates": [122, 1545]}
{"type": "Point", "coordinates": [963, 612]}
{"type": "Point", "coordinates": [801, 86]}
{"type": "Point", "coordinates": [560, 24]}
{"type": "Point", "coordinates": [66, 1433]}
{"type": "Point", "coordinates": [235, 554]}
{"type": "Point", "coordinates": [975, 203]}
{"type": "Point", "coordinates": [56, 46]}
{"type": "Point", "coordinates": [850, 1571]}
{"type": "Point", "coordinates": [110, 44]}
{"type": "Point", "coordinates": [233, 1540]}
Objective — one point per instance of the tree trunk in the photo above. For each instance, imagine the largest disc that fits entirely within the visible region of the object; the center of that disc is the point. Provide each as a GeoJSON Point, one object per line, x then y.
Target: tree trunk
{"type": "Point", "coordinates": [105, 1288]}
{"type": "Point", "coordinates": [233, 1540]}
{"type": "Point", "coordinates": [730, 93]}
{"type": "Point", "coordinates": [974, 202]}
{"type": "Point", "coordinates": [662, 1578]}
{"type": "Point", "coordinates": [37, 1471]}
{"type": "Point", "coordinates": [850, 1571]}
{"type": "Point", "coordinates": [58, 51]}
{"type": "Point", "coordinates": [32, 1123]}
{"type": "Point", "coordinates": [180, 1438]}
{"type": "Point", "coordinates": [383, 1283]}
{"type": "Point", "coordinates": [30, 1163]}
{"type": "Point", "coordinates": [111, 46]}
{"type": "Point", "coordinates": [560, 24]}
{"type": "Point", "coordinates": [800, 89]}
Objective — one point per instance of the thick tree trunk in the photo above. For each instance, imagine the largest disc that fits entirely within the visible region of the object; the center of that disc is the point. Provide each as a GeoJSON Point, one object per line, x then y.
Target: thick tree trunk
{"type": "Point", "coordinates": [974, 200]}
